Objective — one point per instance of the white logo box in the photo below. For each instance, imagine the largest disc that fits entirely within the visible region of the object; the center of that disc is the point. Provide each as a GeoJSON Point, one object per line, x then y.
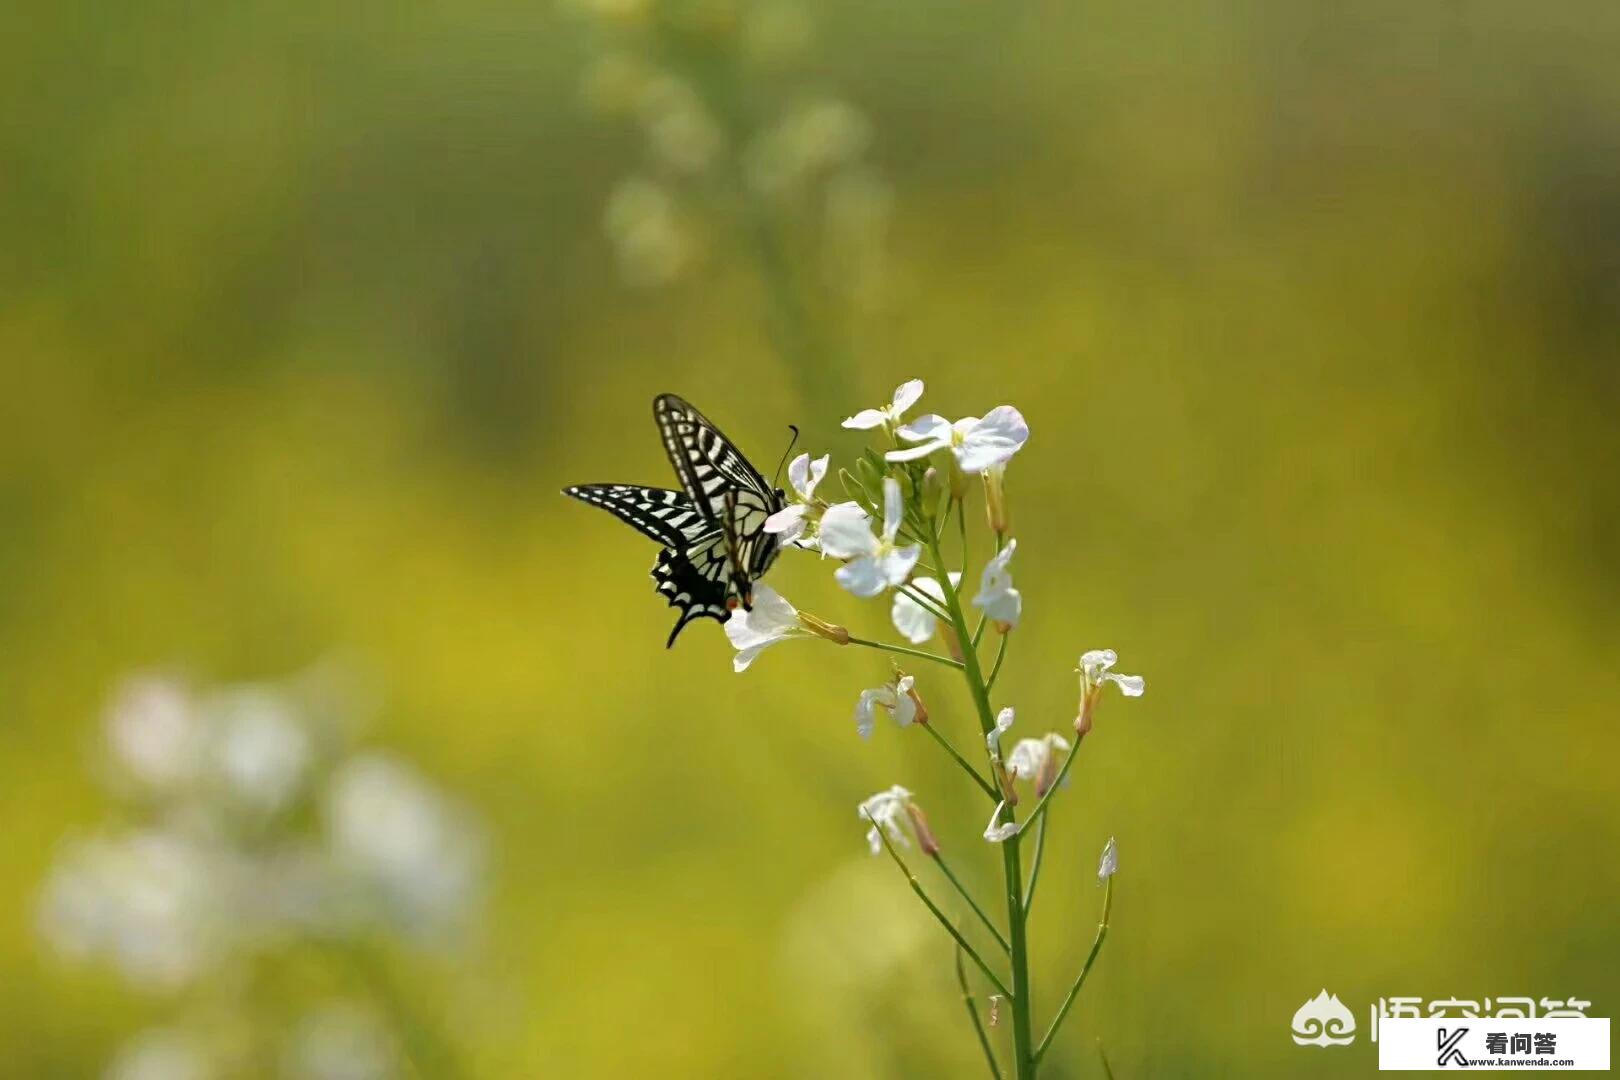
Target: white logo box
{"type": "Point", "coordinates": [1576, 1044]}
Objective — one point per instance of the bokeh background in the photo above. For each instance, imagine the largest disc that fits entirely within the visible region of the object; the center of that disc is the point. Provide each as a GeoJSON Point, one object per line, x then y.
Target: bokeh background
{"type": "Point", "coordinates": [1313, 309]}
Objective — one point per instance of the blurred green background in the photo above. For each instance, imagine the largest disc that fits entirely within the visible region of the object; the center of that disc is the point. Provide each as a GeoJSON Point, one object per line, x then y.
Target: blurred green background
{"type": "Point", "coordinates": [1314, 312]}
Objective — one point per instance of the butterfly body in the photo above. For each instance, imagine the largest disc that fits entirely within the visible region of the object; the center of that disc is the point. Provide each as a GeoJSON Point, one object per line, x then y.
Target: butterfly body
{"type": "Point", "coordinates": [713, 530]}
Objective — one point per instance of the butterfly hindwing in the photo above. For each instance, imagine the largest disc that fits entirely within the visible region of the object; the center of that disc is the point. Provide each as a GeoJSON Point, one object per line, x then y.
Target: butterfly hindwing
{"type": "Point", "coordinates": [696, 581]}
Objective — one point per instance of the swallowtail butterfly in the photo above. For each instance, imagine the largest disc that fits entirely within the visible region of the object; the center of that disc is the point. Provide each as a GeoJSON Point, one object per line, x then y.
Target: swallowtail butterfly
{"type": "Point", "coordinates": [712, 530]}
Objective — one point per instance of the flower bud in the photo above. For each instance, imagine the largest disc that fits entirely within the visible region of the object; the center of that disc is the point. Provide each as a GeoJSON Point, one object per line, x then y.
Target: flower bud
{"type": "Point", "coordinates": [1009, 793]}
{"type": "Point", "coordinates": [1048, 774]}
{"type": "Point", "coordinates": [995, 498]}
{"type": "Point", "coordinates": [821, 628]}
{"type": "Point", "coordinates": [919, 825]}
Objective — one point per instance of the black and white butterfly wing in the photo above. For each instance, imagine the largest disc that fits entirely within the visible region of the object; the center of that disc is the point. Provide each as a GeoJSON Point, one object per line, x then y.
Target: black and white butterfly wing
{"type": "Point", "coordinates": [692, 570]}
{"type": "Point", "coordinates": [722, 484]}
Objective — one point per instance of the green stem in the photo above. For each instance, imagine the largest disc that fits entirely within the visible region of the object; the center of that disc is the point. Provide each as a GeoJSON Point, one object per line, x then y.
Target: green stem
{"type": "Point", "coordinates": [973, 1015]}
{"type": "Point", "coordinates": [1091, 958]}
{"type": "Point", "coordinates": [950, 928]}
{"type": "Point", "coordinates": [924, 601]}
{"type": "Point", "coordinates": [972, 903]}
{"type": "Point", "coordinates": [984, 785]}
{"type": "Point", "coordinates": [1012, 873]}
{"type": "Point", "coordinates": [995, 669]}
{"type": "Point", "coordinates": [1035, 867]}
{"type": "Point", "coordinates": [903, 651]}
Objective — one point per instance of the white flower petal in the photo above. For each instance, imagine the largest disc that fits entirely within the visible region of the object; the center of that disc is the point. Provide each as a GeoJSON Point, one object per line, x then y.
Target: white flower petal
{"type": "Point", "coordinates": [863, 576]}
{"type": "Point", "coordinates": [799, 474]}
{"type": "Point", "coordinates": [1004, 720]}
{"type": "Point", "coordinates": [864, 714]}
{"type": "Point", "coordinates": [897, 565]}
{"type": "Point", "coordinates": [1129, 685]}
{"type": "Point", "coordinates": [865, 420]}
{"type": "Point", "coordinates": [932, 428]}
{"type": "Point", "coordinates": [846, 531]}
{"type": "Point", "coordinates": [894, 508]}
{"type": "Point", "coordinates": [744, 657]}
{"type": "Point", "coordinates": [915, 453]}
{"type": "Point", "coordinates": [789, 519]}
{"type": "Point", "coordinates": [904, 710]}
{"type": "Point", "coordinates": [1108, 865]}
{"type": "Point", "coordinates": [1096, 661]}
{"type": "Point", "coordinates": [993, 440]}
{"type": "Point", "coordinates": [996, 832]}
{"type": "Point", "coordinates": [906, 395]}
{"type": "Point", "coordinates": [818, 470]}
{"type": "Point", "coordinates": [915, 622]}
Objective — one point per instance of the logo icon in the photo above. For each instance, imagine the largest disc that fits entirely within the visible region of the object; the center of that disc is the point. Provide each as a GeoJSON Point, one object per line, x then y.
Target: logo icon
{"type": "Point", "coordinates": [1446, 1042]}
{"type": "Point", "coordinates": [1324, 1021]}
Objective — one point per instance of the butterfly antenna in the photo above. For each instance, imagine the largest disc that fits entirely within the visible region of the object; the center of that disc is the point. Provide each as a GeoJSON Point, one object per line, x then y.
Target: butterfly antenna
{"type": "Point", "coordinates": [791, 442]}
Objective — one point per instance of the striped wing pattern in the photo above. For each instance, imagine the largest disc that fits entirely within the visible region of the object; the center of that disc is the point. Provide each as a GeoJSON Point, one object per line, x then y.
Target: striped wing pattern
{"type": "Point", "coordinates": [712, 532]}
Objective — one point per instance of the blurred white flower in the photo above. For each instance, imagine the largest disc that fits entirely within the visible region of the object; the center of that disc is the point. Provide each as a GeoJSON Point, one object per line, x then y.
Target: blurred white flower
{"type": "Point", "coordinates": [259, 747]}
{"type": "Point", "coordinates": [905, 396]}
{"type": "Point", "coordinates": [652, 244]}
{"type": "Point", "coordinates": [155, 734]}
{"type": "Point", "coordinates": [342, 1041]}
{"type": "Point", "coordinates": [156, 906]}
{"type": "Point", "coordinates": [876, 563]}
{"type": "Point", "coordinates": [803, 476]}
{"type": "Point", "coordinates": [1108, 865]}
{"type": "Point", "coordinates": [977, 444]}
{"type": "Point", "coordinates": [414, 848]}
{"type": "Point", "coordinates": [807, 142]}
{"type": "Point", "coordinates": [916, 623]}
{"type": "Point", "coordinates": [678, 126]}
{"type": "Point", "coordinates": [1094, 672]}
{"type": "Point", "coordinates": [895, 696]}
{"type": "Point", "coordinates": [772, 620]}
{"type": "Point", "coordinates": [997, 831]}
{"type": "Point", "coordinates": [1037, 760]}
{"type": "Point", "coordinates": [160, 1054]}
{"type": "Point", "coordinates": [992, 740]}
{"type": "Point", "coordinates": [997, 598]}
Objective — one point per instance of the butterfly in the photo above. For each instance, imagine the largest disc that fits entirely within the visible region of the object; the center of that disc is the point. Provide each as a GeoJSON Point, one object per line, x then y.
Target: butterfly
{"type": "Point", "coordinates": [712, 530]}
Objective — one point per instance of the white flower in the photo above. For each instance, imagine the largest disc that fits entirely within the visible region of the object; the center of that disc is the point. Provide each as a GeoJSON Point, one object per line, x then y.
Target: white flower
{"type": "Point", "coordinates": [1036, 759]}
{"type": "Point", "coordinates": [996, 597]}
{"type": "Point", "coordinates": [1108, 865]}
{"type": "Point", "coordinates": [997, 831]}
{"type": "Point", "coordinates": [905, 396]}
{"type": "Point", "coordinates": [876, 563]}
{"type": "Point", "coordinates": [978, 444]}
{"type": "Point", "coordinates": [1094, 672]}
{"type": "Point", "coordinates": [260, 749]}
{"type": "Point", "coordinates": [160, 1054]}
{"type": "Point", "coordinates": [1004, 720]}
{"type": "Point", "coordinates": [752, 632]}
{"type": "Point", "coordinates": [157, 906]}
{"type": "Point", "coordinates": [803, 476]}
{"type": "Point", "coordinates": [155, 733]}
{"type": "Point", "coordinates": [885, 811]}
{"type": "Point", "coordinates": [894, 696]}
{"type": "Point", "coordinates": [343, 1040]}
{"type": "Point", "coordinates": [415, 849]}
{"type": "Point", "coordinates": [915, 622]}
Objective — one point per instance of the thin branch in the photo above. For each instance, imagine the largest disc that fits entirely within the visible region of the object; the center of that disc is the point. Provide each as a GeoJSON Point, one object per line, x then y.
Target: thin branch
{"type": "Point", "coordinates": [973, 1015]}
{"type": "Point", "coordinates": [926, 602]}
{"type": "Point", "coordinates": [903, 651]}
{"type": "Point", "coordinates": [1107, 1070]}
{"type": "Point", "coordinates": [917, 888]}
{"type": "Point", "coordinates": [1035, 866]}
{"type": "Point", "coordinates": [1074, 991]}
{"type": "Point", "coordinates": [972, 903]}
{"type": "Point", "coordinates": [984, 785]}
{"type": "Point", "coordinates": [995, 669]}
{"type": "Point", "coordinates": [1063, 774]}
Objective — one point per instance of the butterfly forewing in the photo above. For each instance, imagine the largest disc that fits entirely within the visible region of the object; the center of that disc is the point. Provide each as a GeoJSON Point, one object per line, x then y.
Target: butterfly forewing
{"type": "Point", "coordinates": [663, 515]}
{"type": "Point", "coordinates": [706, 461]}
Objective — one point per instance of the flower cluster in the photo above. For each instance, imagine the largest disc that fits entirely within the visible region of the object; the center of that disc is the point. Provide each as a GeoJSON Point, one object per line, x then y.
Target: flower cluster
{"type": "Point", "coordinates": [801, 157]}
{"type": "Point", "coordinates": [890, 537]}
{"type": "Point", "coordinates": [249, 825]}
